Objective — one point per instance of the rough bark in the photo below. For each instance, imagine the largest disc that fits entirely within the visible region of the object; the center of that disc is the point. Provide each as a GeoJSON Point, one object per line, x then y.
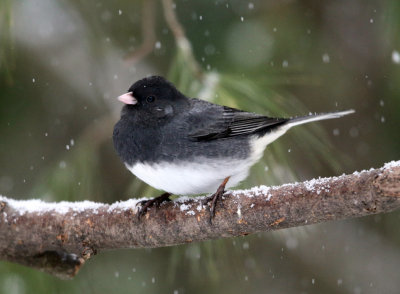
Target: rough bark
{"type": "Point", "coordinates": [58, 237]}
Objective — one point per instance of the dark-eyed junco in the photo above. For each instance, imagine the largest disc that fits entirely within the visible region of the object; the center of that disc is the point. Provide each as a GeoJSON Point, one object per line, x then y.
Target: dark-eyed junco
{"type": "Point", "coordinates": [187, 146]}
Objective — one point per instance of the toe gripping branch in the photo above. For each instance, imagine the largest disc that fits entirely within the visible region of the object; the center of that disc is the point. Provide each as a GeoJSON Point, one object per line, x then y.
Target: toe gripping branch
{"type": "Point", "coordinates": [146, 204]}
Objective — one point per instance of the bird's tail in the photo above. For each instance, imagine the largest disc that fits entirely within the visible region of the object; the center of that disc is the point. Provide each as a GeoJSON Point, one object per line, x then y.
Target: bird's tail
{"type": "Point", "coordinates": [314, 117]}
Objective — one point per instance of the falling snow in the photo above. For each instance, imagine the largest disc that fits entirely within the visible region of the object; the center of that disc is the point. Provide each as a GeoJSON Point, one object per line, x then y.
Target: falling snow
{"type": "Point", "coordinates": [336, 132]}
{"type": "Point", "coordinates": [326, 58]}
{"type": "Point", "coordinates": [396, 57]}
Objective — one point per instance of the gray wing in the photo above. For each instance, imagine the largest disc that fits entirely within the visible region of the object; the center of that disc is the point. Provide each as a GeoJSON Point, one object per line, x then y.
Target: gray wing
{"type": "Point", "coordinates": [208, 121]}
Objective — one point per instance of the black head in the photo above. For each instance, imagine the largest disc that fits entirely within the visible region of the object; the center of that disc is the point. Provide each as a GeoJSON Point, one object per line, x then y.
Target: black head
{"type": "Point", "coordinates": [152, 98]}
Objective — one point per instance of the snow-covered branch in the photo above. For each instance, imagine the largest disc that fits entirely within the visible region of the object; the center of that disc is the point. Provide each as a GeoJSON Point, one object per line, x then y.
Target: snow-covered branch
{"type": "Point", "coordinates": [59, 237]}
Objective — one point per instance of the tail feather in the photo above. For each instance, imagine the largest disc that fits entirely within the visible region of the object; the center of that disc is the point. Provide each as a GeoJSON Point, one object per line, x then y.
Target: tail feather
{"type": "Point", "coordinates": [315, 117]}
{"type": "Point", "coordinates": [261, 142]}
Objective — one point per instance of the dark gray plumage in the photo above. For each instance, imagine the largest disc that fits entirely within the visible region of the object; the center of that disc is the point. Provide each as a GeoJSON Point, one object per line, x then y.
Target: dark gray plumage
{"type": "Point", "coordinates": [189, 146]}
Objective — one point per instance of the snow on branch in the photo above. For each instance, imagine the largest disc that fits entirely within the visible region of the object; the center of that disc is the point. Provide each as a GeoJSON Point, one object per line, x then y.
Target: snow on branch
{"type": "Point", "coordinates": [58, 237]}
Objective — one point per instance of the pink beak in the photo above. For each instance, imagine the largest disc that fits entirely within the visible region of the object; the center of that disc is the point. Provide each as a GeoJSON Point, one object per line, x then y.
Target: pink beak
{"type": "Point", "coordinates": [127, 98]}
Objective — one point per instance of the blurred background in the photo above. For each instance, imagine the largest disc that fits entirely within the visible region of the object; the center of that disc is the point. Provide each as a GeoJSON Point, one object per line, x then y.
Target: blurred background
{"type": "Point", "coordinates": [64, 62]}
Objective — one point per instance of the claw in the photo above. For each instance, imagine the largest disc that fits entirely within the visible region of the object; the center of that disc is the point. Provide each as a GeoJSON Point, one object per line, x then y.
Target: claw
{"type": "Point", "coordinates": [146, 204]}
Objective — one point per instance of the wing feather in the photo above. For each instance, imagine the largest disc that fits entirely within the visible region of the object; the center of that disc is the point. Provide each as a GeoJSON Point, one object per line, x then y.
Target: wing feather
{"type": "Point", "coordinates": [209, 121]}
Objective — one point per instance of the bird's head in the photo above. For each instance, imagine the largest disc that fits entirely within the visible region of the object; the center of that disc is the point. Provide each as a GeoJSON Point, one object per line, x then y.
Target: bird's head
{"type": "Point", "coordinates": [152, 97]}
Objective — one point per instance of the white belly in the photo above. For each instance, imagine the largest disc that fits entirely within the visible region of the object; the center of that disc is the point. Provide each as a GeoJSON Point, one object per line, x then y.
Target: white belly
{"type": "Point", "coordinates": [205, 176]}
{"type": "Point", "coordinates": [189, 178]}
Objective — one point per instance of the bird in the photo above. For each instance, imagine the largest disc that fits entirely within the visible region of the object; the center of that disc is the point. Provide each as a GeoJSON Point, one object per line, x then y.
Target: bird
{"type": "Point", "coordinates": [189, 146]}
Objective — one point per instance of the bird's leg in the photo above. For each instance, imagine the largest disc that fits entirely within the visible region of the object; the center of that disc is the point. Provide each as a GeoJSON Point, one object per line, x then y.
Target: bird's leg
{"type": "Point", "coordinates": [146, 204]}
{"type": "Point", "coordinates": [214, 198]}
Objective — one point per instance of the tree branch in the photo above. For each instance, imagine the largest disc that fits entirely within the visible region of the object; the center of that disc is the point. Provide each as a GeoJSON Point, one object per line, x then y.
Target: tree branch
{"type": "Point", "coordinates": [58, 237]}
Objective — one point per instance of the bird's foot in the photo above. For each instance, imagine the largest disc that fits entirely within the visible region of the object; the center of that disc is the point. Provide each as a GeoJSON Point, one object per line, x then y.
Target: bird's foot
{"type": "Point", "coordinates": [146, 204]}
{"type": "Point", "coordinates": [214, 198]}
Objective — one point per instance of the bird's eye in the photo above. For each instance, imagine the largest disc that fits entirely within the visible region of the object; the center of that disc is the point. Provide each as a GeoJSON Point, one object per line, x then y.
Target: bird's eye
{"type": "Point", "coordinates": [150, 99]}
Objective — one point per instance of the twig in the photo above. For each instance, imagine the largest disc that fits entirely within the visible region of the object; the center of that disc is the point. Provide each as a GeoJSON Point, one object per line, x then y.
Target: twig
{"type": "Point", "coordinates": [180, 38]}
{"type": "Point", "coordinates": [148, 33]}
{"type": "Point", "coordinates": [59, 237]}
